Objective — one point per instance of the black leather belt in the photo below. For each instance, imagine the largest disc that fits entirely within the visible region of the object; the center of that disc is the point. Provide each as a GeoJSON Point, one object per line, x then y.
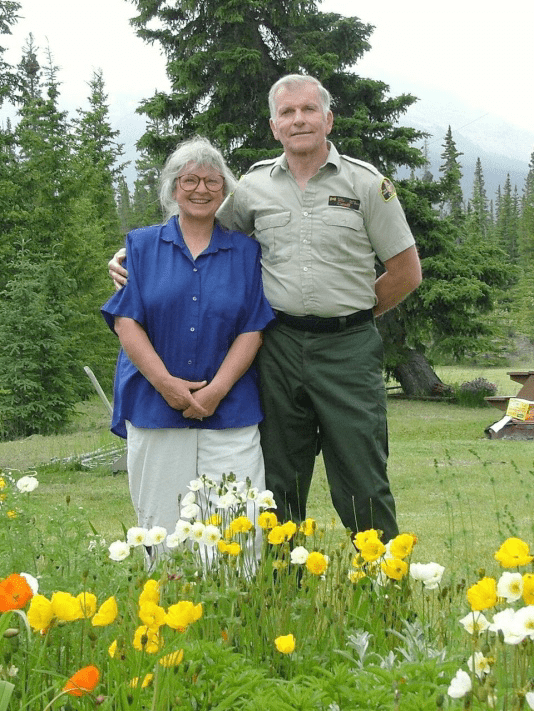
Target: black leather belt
{"type": "Point", "coordinates": [318, 324]}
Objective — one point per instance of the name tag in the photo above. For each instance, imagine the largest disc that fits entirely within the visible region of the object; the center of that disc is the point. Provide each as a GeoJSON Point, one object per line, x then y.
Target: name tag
{"type": "Point", "coordinates": [338, 201]}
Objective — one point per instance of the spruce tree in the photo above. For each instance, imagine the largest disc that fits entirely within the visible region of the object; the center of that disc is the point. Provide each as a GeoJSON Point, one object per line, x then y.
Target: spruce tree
{"type": "Point", "coordinates": [452, 200]}
{"type": "Point", "coordinates": [223, 56]}
{"type": "Point", "coordinates": [8, 79]}
{"type": "Point", "coordinates": [479, 219]}
{"type": "Point", "coordinates": [97, 157]}
{"type": "Point", "coordinates": [507, 220]}
{"type": "Point", "coordinates": [526, 222]}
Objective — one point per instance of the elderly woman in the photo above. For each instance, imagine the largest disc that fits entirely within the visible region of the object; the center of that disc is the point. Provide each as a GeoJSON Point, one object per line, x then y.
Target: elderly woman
{"type": "Point", "coordinates": [189, 321]}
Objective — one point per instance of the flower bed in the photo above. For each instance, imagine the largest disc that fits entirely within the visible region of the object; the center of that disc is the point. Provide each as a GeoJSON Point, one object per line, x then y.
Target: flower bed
{"type": "Point", "coordinates": [243, 612]}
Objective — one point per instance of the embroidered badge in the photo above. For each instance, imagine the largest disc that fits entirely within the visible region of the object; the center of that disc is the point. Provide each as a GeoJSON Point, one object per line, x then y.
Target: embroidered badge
{"type": "Point", "coordinates": [338, 201]}
{"type": "Point", "coordinates": [387, 189]}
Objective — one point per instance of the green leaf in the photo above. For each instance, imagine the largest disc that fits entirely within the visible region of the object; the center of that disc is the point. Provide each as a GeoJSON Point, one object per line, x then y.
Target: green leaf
{"type": "Point", "coordinates": [6, 689]}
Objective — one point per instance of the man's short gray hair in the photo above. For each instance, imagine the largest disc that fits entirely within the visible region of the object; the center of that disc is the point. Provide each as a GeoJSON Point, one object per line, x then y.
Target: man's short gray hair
{"type": "Point", "coordinates": [201, 152]}
{"type": "Point", "coordinates": [295, 80]}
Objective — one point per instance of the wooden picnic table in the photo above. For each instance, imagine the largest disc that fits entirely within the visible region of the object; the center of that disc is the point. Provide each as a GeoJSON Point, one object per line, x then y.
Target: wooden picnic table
{"type": "Point", "coordinates": [526, 379]}
{"type": "Point", "coordinates": [514, 429]}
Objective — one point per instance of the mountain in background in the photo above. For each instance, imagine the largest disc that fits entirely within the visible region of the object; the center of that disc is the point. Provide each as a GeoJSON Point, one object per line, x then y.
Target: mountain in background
{"type": "Point", "coordinates": [502, 148]}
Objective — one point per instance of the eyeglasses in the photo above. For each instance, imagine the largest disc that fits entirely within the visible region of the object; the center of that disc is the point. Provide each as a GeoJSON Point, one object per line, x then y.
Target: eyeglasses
{"type": "Point", "coordinates": [190, 182]}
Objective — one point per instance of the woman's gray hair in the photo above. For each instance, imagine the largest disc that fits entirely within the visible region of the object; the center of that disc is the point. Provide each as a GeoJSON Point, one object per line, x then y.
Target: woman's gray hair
{"type": "Point", "coordinates": [197, 150]}
{"type": "Point", "coordinates": [296, 79]}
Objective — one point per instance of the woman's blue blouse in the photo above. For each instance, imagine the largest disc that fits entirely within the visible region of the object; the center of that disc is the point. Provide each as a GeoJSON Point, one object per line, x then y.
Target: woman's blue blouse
{"type": "Point", "coordinates": [192, 310]}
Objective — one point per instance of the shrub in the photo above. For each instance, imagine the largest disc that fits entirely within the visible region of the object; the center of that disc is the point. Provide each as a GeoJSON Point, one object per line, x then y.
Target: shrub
{"type": "Point", "coordinates": [472, 392]}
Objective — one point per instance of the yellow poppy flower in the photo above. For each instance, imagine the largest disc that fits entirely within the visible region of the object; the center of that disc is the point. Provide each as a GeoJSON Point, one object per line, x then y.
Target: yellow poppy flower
{"type": "Point", "coordinates": [150, 592]}
{"type": "Point", "coordinates": [285, 644]}
{"type": "Point", "coordinates": [146, 681]}
{"type": "Point", "coordinates": [66, 607]}
{"type": "Point", "coordinates": [395, 568]}
{"type": "Point", "coordinates": [483, 594]}
{"type": "Point", "coordinates": [267, 520]}
{"type": "Point", "coordinates": [402, 545]}
{"type": "Point", "coordinates": [363, 537]}
{"type": "Point", "coordinates": [241, 524]}
{"type": "Point", "coordinates": [40, 613]}
{"type": "Point", "coordinates": [356, 575]}
{"type": "Point", "coordinates": [147, 640]}
{"type": "Point", "coordinates": [372, 549]}
{"type": "Point", "coordinates": [173, 659]}
{"type": "Point", "coordinates": [289, 528]}
{"type": "Point", "coordinates": [276, 536]}
{"type": "Point", "coordinates": [316, 563]}
{"type": "Point", "coordinates": [106, 614]}
{"type": "Point", "coordinates": [308, 527]}
{"type": "Point", "coordinates": [182, 614]}
{"type": "Point", "coordinates": [87, 604]}
{"type": "Point", "coordinates": [152, 615]}
{"type": "Point", "coordinates": [513, 552]}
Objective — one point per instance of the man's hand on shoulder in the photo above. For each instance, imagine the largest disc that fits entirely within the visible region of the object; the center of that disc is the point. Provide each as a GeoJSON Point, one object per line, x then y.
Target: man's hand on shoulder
{"type": "Point", "coordinates": [116, 270]}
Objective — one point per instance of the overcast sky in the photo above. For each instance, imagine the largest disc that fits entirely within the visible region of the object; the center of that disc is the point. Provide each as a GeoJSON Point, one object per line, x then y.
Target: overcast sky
{"type": "Point", "coordinates": [463, 53]}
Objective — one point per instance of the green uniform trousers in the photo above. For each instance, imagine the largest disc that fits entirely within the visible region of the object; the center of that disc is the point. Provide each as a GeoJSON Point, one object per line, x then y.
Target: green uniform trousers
{"type": "Point", "coordinates": [328, 386]}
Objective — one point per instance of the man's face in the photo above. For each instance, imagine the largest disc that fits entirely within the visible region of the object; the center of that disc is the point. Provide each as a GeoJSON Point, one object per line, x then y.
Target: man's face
{"type": "Point", "coordinates": [300, 123]}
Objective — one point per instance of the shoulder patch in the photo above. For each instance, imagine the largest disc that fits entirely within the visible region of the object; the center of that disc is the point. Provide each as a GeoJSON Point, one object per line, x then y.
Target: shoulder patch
{"type": "Point", "coordinates": [361, 163]}
{"type": "Point", "coordinates": [387, 189]}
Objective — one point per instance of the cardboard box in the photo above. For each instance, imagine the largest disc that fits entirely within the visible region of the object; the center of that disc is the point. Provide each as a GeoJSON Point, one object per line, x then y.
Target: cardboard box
{"type": "Point", "coordinates": [519, 409]}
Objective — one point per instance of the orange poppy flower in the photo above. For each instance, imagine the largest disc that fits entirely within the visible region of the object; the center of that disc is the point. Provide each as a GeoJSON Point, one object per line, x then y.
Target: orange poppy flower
{"type": "Point", "coordinates": [14, 593]}
{"type": "Point", "coordinates": [84, 681]}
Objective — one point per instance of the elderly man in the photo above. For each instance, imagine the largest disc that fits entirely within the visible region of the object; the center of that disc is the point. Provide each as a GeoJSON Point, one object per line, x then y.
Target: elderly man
{"type": "Point", "coordinates": [321, 218]}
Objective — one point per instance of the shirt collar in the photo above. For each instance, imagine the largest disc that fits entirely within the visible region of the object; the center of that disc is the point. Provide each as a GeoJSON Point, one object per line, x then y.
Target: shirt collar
{"type": "Point", "coordinates": [332, 159]}
{"type": "Point", "coordinates": [220, 237]}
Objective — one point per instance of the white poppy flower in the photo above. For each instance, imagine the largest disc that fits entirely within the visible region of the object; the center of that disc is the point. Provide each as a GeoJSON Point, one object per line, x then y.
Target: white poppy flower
{"type": "Point", "coordinates": [136, 536]}
{"type": "Point", "coordinates": [119, 550]}
{"type": "Point", "coordinates": [524, 621]}
{"type": "Point", "coordinates": [157, 534]}
{"type": "Point", "coordinates": [211, 535]}
{"type": "Point", "coordinates": [429, 574]}
{"type": "Point", "coordinates": [227, 500]}
{"type": "Point", "coordinates": [510, 586]}
{"type": "Point", "coordinates": [507, 623]}
{"type": "Point", "coordinates": [189, 498]}
{"type": "Point", "coordinates": [173, 540]}
{"type": "Point", "coordinates": [529, 698]}
{"type": "Point", "coordinates": [197, 531]}
{"type": "Point", "coordinates": [474, 622]}
{"type": "Point", "coordinates": [478, 664]}
{"type": "Point", "coordinates": [183, 530]}
{"type": "Point", "coordinates": [299, 555]}
{"type": "Point", "coordinates": [190, 510]}
{"type": "Point", "coordinates": [460, 685]}
{"type": "Point", "coordinates": [266, 500]}
{"type": "Point", "coordinates": [27, 484]}
{"type": "Point", "coordinates": [195, 485]}
{"type": "Point", "coordinates": [252, 493]}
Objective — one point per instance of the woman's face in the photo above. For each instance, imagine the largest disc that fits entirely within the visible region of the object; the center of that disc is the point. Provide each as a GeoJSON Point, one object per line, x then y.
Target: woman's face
{"type": "Point", "coordinates": [202, 201]}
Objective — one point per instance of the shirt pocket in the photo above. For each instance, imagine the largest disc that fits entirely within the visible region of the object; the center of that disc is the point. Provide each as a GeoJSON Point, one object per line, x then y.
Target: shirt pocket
{"type": "Point", "coordinates": [342, 236]}
{"type": "Point", "coordinates": [273, 234]}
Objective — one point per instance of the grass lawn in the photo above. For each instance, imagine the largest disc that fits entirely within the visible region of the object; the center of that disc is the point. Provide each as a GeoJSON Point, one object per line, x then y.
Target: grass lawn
{"type": "Point", "coordinates": [459, 492]}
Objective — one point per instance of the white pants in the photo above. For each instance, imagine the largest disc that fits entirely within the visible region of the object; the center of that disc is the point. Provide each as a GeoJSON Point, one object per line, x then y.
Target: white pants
{"type": "Point", "coordinates": [162, 462]}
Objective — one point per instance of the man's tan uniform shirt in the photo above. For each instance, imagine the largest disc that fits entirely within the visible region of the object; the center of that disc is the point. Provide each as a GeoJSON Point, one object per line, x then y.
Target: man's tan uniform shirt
{"type": "Point", "coordinates": [319, 246]}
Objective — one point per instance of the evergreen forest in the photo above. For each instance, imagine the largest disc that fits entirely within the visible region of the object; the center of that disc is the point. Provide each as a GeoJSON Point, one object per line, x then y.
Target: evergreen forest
{"type": "Point", "coordinates": [65, 204]}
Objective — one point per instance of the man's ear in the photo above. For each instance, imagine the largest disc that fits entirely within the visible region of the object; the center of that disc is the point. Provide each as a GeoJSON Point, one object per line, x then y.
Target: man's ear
{"type": "Point", "coordinates": [329, 122]}
{"type": "Point", "coordinates": [273, 129]}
